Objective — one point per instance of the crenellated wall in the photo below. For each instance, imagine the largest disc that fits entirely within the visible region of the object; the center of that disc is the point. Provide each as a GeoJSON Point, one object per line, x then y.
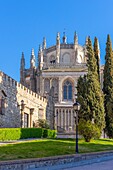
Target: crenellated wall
{"type": "Point", "coordinates": [12, 113]}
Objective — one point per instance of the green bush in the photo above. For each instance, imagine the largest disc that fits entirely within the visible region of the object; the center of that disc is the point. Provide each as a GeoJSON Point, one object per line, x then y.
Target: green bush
{"type": "Point", "coordinates": [48, 133]}
{"type": "Point", "coordinates": [24, 133]}
{"type": "Point", "coordinates": [31, 133]}
{"type": "Point", "coordinates": [10, 134]}
{"type": "Point", "coordinates": [88, 130]}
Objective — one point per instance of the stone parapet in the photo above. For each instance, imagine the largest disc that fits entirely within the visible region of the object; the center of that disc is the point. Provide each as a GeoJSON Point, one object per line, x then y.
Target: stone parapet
{"type": "Point", "coordinates": [7, 80]}
{"type": "Point", "coordinates": [12, 112]}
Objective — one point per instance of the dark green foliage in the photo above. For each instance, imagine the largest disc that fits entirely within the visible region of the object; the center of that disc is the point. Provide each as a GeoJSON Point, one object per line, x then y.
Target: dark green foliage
{"type": "Point", "coordinates": [89, 92]}
{"type": "Point", "coordinates": [108, 87]}
{"type": "Point", "coordinates": [89, 130]}
{"type": "Point", "coordinates": [24, 133]}
{"type": "Point", "coordinates": [31, 133]}
{"type": "Point", "coordinates": [48, 133]}
{"type": "Point", "coordinates": [97, 56]}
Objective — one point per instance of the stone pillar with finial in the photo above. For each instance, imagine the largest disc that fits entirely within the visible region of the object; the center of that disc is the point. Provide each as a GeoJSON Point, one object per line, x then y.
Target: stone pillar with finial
{"type": "Point", "coordinates": [32, 60]}
{"type": "Point", "coordinates": [22, 70]}
{"type": "Point", "coordinates": [44, 43]}
{"type": "Point", "coordinates": [58, 47]}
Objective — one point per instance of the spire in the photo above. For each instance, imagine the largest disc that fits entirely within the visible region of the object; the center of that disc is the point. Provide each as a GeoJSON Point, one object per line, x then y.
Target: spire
{"type": "Point", "coordinates": [40, 57]}
{"type": "Point", "coordinates": [32, 60]}
{"type": "Point", "coordinates": [58, 39]}
{"type": "Point", "coordinates": [32, 52]}
{"type": "Point", "coordinates": [22, 69]}
{"type": "Point", "coordinates": [75, 38]}
{"type": "Point", "coordinates": [86, 41]}
{"type": "Point", "coordinates": [44, 43]}
{"type": "Point", "coordinates": [40, 48]}
{"type": "Point", "coordinates": [22, 61]}
{"type": "Point", "coordinates": [64, 38]}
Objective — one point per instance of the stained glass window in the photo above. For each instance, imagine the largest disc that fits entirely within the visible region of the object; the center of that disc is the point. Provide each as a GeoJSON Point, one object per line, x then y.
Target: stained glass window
{"type": "Point", "coordinates": [67, 90]}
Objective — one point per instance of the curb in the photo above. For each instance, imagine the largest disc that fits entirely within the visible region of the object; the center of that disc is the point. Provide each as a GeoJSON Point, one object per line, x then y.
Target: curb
{"type": "Point", "coordinates": [25, 164]}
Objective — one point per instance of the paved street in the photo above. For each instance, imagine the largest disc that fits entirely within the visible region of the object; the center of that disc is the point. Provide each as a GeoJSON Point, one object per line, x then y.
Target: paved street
{"type": "Point", "coordinates": [104, 163]}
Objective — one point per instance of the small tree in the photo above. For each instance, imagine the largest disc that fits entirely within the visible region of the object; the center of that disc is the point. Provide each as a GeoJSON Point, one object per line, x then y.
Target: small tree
{"type": "Point", "coordinates": [97, 56]}
{"type": "Point", "coordinates": [108, 87]}
{"type": "Point", "coordinates": [89, 92]}
{"type": "Point", "coordinates": [88, 130]}
{"type": "Point", "coordinates": [42, 123]}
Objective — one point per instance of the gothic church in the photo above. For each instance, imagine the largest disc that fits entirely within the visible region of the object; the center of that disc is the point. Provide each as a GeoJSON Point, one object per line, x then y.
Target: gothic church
{"type": "Point", "coordinates": [55, 78]}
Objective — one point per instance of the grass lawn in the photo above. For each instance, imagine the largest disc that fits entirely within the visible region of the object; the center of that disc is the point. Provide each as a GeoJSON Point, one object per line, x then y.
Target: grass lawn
{"type": "Point", "coordinates": [51, 147]}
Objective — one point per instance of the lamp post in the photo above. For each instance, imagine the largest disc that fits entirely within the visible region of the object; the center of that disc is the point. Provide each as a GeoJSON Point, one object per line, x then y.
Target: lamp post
{"type": "Point", "coordinates": [22, 113]}
{"type": "Point", "coordinates": [76, 107]}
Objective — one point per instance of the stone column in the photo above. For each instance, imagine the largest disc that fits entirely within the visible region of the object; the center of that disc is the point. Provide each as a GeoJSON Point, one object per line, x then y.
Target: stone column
{"type": "Point", "coordinates": [60, 90]}
{"type": "Point", "coordinates": [31, 114]}
{"type": "Point", "coordinates": [72, 117]}
{"type": "Point", "coordinates": [50, 82]}
{"type": "Point", "coordinates": [65, 120]}
{"type": "Point", "coordinates": [61, 118]}
{"type": "Point", "coordinates": [22, 118]}
{"type": "Point", "coordinates": [42, 86]}
{"type": "Point", "coordinates": [22, 113]}
{"type": "Point", "coordinates": [68, 120]}
{"type": "Point", "coordinates": [75, 90]}
{"type": "Point", "coordinates": [56, 118]}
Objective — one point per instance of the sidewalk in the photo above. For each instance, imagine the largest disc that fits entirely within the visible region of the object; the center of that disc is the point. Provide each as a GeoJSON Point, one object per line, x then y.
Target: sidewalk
{"type": "Point", "coordinates": [19, 141]}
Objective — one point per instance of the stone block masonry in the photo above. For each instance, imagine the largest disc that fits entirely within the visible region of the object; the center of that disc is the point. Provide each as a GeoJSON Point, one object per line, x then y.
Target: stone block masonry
{"type": "Point", "coordinates": [12, 96]}
{"type": "Point", "coordinates": [48, 162]}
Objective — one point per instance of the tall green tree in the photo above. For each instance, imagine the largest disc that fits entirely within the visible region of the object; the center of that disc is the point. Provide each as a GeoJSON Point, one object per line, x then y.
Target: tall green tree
{"type": "Point", "coordinates": [89, 92]}
{"type": "Point", "coordinates": [97, 55]}
{"type": "Point", "coordinates": [108, 87]}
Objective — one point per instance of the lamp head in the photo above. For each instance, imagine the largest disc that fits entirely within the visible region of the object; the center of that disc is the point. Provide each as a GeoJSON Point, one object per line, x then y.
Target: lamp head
{"type": "Point", "coordinates": [76, 106]}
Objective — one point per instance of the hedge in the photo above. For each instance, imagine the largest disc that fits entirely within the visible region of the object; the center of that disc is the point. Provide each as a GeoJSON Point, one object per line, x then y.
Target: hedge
{"type": "Point", "coordinates": [48, 133]}
{"type": "Point", "coordinates": [24, 133]}
{"type": "Point", "coordinates": [31, 133]}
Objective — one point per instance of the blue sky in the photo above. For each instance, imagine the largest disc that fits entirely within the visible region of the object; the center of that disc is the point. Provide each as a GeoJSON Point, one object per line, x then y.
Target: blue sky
{"type": "Point", "coordinates": [24, 23]}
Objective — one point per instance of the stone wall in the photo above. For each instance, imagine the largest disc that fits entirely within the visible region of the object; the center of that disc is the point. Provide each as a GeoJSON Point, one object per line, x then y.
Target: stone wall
{"type": "Point", "coordinates": [12, 112]}
{"type": "Point", "coordinates": [50, 162]}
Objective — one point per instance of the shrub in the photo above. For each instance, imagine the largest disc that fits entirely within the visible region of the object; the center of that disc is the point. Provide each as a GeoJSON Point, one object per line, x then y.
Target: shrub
{"type": "Point", "coordinates": [31, 133]}
{"type": "Point", "coordinates": [10, 134]}
{"type": "Point", "coordinates": [24, 133]}
{"type": "Point", "coordinates": [48, 133]}
{"type": "Point", "coordinates": [88, 130]}
{"type": "Point", "coordinates": [42, 123]}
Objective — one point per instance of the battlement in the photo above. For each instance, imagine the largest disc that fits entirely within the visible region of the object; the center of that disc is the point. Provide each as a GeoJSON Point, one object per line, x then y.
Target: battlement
{"type": "Point", "coordinates": [7, 80]}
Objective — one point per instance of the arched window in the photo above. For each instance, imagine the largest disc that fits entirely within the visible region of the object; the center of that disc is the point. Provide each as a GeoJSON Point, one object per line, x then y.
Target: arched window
{"type": "Point", "coordinates": [67, 90]}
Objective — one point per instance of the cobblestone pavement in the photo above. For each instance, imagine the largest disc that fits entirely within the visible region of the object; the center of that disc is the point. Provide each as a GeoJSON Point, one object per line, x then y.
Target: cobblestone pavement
{"type": "Point", "coordinates": [103, 163]}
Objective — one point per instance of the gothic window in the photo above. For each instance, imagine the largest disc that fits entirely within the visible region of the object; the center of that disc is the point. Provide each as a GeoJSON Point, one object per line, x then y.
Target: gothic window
{"type": "Point", "coordinates": [52, 59]}
{"type": "Point", "coordinates": [67, 91]}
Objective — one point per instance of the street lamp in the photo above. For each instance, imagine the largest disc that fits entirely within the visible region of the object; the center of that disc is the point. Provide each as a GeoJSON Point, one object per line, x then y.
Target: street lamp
{"type": "Point", "coordinates": [76, 107]}
{"type": "Point", "coordinates": [22, 113]}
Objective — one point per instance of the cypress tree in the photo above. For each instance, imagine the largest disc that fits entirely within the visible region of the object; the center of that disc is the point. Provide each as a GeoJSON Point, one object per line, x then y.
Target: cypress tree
{"type": "Point", "coordinates": [89, 92]}
{"type": "Point", "coordinates": [108, 87]}
{"type": "Point", "coordinates": [97, 56]}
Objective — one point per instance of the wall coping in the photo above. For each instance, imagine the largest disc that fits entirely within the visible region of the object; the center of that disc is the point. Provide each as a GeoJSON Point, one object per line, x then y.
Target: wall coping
{"type": "Point", "coordinates": [49, 161]}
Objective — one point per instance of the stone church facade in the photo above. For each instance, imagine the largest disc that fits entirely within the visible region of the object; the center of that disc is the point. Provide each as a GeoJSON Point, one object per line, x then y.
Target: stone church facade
{"type": "Point", "coordinates": [55, 78]}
